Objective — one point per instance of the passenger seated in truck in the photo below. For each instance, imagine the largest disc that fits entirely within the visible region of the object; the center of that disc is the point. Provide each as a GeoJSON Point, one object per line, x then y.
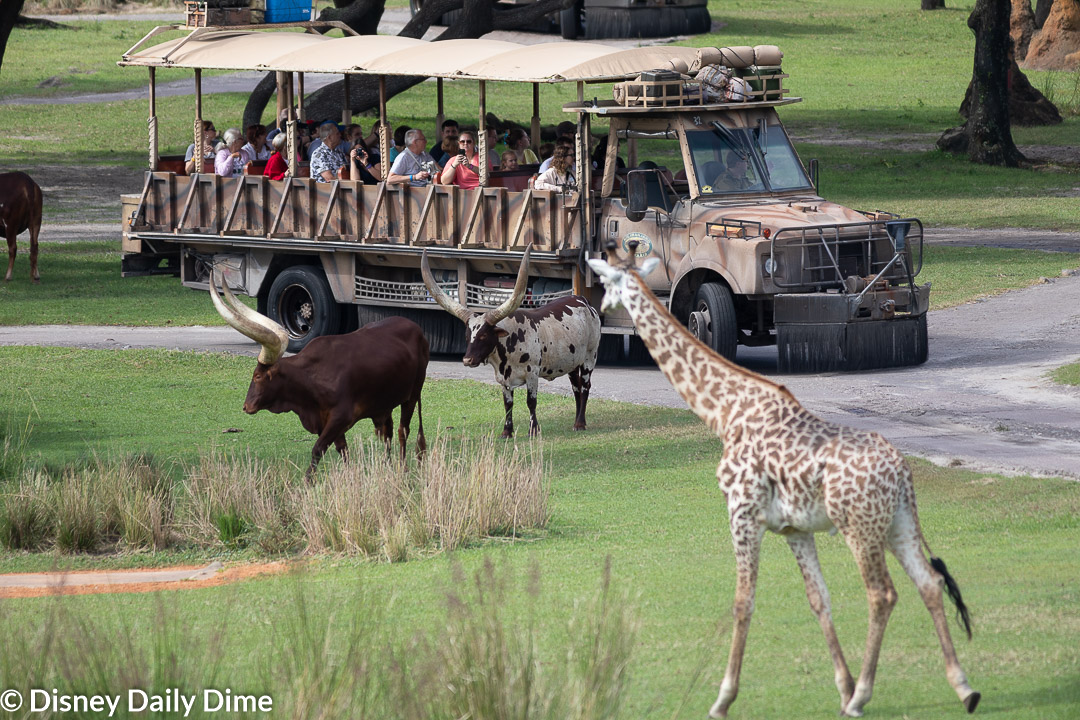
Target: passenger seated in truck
{"type": "Point", "coordinates": [398, 145]}
{"type": "Point", "coordinates": [518, 141]}
{"type": "Point", "coordinates": [560, 176]}
{"type": "Point", "coordinates": [447, 146]}
{"type": "Point", "coordinates": [508, 161]}
{"type": "Point", "coordinates": [560, 142]}
{"type": "Point", "coordinates": [328, 160]}
{"type": "Point", "coordinates": [277, 165]}
{"type": "Point", "coordinates": [210, 142]}
{"type": "Point", "coordinates": [734, 178]}
{"type": "Point", "coordinates": [355, 138]}
{"type": "Point", "coordinates": [232, 158]}
{"type": "Point", "coordinates": [414, 166]}
{"type": "Point", "coordinates": [361, 167]}
{"type": "Point", "coordinates": [256, 144]}
{"type": "Point", "coordinates": [463, 169]}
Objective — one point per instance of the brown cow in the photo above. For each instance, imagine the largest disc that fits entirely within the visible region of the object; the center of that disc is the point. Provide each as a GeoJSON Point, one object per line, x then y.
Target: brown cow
{"type": "Point", "coordinates": [20, 209]}
{"type": "Point", "coordinates": [336, 379]}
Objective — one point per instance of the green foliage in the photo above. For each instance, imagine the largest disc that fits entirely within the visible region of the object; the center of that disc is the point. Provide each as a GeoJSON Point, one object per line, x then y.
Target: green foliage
{"type": "Point", "coordinates": [963, 274]}
{"type": "Point", "coordinates": [1067, 374]}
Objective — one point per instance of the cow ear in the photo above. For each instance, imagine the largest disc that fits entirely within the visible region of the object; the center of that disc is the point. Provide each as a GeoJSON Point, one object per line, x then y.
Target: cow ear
{"type": "Point", "coordinates": [500, 333]}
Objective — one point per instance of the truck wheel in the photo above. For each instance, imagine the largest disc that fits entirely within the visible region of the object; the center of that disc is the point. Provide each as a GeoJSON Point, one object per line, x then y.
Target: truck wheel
{"type": "Point", "coordinates": [712, 320]}
{"type": "Point", "coordinates": [570, 21]}
{"type": "Point", "coordinates": [301, 301]}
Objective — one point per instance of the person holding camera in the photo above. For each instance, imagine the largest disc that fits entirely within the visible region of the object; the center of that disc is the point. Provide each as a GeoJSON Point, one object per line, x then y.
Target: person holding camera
{"type": "Point", "coordinates": [560, 176]}
{"type": "Point", "coordinates": [463, 169]}
{"type": "Point", "coordinates": [415, 165]}
{"type": "Point", "coordinates": [360, 166]}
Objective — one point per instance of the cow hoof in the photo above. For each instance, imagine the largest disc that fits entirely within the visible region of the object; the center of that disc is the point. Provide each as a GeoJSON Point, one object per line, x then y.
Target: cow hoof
{"type": "Point", "coordinates": [579, 428]}
{"type": "Point", "coordinates": [506, 435]}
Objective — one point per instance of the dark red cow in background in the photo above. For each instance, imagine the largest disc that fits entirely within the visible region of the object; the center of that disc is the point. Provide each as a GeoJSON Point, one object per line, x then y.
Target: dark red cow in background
{"type": "Point", "coordinates": [20, 209]}
{"type": "Point", "coordinates": [336, 379]}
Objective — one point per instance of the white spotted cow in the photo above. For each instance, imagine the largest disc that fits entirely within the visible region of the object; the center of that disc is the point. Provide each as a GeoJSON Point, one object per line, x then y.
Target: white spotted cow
{"type": "Point", "coordinates": [559, 338]}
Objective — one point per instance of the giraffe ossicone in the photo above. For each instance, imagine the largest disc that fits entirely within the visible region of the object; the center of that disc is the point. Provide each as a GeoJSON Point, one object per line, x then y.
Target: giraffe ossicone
{"type": "Point", "coordinates": [788, 471]}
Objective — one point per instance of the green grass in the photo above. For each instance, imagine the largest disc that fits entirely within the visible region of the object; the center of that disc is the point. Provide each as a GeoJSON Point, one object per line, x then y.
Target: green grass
{"type": "Point", "coordinates": [637, 488]}
{"type": "Point", "coordinates": [1067, 374]}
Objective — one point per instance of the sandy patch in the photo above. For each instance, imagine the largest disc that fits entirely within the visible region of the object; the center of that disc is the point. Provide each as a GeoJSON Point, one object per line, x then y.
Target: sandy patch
{"type": "Point", "coordinates": [117, 583]}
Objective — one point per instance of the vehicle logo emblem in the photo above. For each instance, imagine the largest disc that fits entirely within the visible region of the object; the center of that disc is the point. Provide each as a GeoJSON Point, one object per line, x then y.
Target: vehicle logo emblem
{"type": "Point", "coordinates": [644, 244]}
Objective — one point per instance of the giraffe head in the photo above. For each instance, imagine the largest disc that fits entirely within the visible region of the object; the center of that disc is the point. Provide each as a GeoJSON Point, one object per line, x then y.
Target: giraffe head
{"type": "Point", "coordinates": [617, 281]}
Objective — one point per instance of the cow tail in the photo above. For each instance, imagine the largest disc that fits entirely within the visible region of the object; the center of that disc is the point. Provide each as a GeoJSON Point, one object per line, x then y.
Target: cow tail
{"type": "Point", "coordinates": [421, 443]}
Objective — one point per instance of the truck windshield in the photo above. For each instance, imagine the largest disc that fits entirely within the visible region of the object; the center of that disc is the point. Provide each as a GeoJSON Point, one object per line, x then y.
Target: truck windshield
{"type": "Point", "coordinates": [731, 161]}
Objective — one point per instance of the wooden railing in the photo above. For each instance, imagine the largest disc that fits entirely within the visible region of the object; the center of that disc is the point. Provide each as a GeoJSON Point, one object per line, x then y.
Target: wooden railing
{"type": "Point", "coordinates": [300, 208]}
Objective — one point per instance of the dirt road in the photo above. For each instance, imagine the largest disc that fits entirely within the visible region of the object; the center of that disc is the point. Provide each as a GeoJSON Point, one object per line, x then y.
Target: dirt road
{"type": "Point", "coordinates": [982, 401]}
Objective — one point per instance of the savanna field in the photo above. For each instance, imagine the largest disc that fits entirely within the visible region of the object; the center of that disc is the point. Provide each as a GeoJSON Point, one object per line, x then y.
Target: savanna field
{"type": "Point", "coordinates": [580, 575]}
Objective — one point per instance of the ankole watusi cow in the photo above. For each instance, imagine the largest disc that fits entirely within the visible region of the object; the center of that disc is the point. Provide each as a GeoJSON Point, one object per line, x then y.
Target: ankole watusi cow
{"type": "Point", "coordinates": [20, 209]}
{"type": "Point", "coordinates": [336, 379]}
{"type": "Point", "coordinates": [560, 338]}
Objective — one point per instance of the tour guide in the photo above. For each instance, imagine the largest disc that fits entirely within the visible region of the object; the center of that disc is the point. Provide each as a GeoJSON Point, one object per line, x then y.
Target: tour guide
{"type": "Point", "coordinates": [415, 165]}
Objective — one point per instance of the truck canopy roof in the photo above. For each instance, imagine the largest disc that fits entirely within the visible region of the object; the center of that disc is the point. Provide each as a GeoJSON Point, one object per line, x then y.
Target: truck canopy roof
{"type": "Point", "coordinates": [553, 62]}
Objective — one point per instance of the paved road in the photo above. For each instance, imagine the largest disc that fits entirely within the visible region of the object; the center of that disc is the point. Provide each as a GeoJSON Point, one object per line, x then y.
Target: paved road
{"type": "Point", "coordinates": [982, 401]}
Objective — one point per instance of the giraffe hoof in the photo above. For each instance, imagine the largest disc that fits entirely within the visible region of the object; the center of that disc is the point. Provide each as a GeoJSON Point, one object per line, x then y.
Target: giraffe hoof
{"type": "Point", "coordinates": [972, 701]}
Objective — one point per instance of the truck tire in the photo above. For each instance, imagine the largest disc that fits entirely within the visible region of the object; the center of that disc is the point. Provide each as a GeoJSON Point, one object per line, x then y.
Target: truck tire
{"type": "Point", "coordinates": [570, 21]}
{"type": "Point", "coordinates": [301, 301]}
{"type": "Point", "coordinates": [712, 319]}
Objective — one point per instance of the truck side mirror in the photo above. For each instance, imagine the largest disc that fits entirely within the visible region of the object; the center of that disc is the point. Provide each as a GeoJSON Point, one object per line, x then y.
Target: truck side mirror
{"type": "Point", "coordinates": [637, 195]}
{"type": "Point", "coordinates": [814, 173]}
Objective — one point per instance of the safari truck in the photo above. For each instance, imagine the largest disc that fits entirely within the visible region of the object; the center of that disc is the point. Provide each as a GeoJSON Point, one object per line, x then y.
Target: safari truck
{"type": "Point", "coordinates": [751, 254]}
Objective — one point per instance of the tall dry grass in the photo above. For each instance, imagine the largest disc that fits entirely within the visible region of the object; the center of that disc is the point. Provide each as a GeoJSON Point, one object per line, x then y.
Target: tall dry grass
{"type": "Point", "coordinates": [484, 660]}
{"type": "Point", "coordinates": [463, 491]}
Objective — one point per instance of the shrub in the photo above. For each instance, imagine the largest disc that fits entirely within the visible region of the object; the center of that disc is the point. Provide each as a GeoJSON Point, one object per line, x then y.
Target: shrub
{"type": "Point", "coordinates": [25, 513]}
{"type": "Point", "coordinates": [77, 511]}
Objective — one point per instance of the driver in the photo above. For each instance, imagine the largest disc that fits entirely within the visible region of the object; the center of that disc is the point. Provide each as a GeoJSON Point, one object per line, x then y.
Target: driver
{"type": "Point", "coordinates": [734, 177]}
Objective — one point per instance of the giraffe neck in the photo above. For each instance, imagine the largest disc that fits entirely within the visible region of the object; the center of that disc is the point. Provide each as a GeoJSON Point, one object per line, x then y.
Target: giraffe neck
{"type": "Point", "coordinates": [711, 385]}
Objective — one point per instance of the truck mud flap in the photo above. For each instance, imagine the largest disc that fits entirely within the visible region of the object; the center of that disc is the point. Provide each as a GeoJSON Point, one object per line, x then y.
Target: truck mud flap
{"type": "Point", "coordinates": [853, 345]}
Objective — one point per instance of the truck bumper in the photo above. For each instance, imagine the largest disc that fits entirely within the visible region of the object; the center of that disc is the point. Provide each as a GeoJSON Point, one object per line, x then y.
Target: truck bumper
{"type": "Point", "coordinates": [831, 332]}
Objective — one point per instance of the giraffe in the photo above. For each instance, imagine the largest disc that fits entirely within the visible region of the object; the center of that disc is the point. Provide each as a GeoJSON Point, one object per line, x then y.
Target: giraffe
{"type": "Point", "coordinates": [785, 470]}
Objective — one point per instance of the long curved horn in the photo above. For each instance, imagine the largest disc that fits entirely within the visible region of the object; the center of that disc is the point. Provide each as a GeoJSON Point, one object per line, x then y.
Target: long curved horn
{"type": "Point", "coordinates": [273, 338]}
{"type": "Point", "coordinates": [514, 301]}
{"type": "Point", "coordinates": [450, 305]}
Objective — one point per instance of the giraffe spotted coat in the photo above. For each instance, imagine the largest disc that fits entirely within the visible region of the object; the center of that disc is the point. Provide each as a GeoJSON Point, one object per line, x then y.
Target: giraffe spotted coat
{"type": "Point", "coordinates": [786, 470]}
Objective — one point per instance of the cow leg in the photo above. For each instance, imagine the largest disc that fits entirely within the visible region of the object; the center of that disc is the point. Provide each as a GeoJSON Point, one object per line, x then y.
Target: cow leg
{"type": "Point", "coordinates": [508, 405]}
{"type": "Point", "coordinates": [581, 381]}
{"type": "Point", "coordinates": [403, 426]}
{"type": "Point", "coordinates": [530, 399]}
{"type": "Point", "coordinates": [12, 244]}
{"type": "Point", "coordinates": [384, 429]}
{"type": "Point", "coordinates": [35, 228]}
{"type": "Point", "coordinates": [342, 448]}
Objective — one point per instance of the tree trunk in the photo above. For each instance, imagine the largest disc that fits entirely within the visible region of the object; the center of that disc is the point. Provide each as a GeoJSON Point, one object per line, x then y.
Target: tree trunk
{"type": "Point", "coordinates": [933, 5]}
{"type": "Point", "coordinates": [1027, 105]}
{"type": "Point", "coordinates": [987, 133]}
{"type": "Point", "coordinates": [9, 14]}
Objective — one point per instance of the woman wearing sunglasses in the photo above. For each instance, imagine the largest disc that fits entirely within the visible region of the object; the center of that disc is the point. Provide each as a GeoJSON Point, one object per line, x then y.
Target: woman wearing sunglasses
{"type": "Point", "coordinates": [463, 170]}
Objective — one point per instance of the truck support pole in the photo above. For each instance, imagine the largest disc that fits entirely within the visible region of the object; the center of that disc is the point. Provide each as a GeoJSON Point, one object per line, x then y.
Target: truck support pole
{"type": "Point", "coordinates": [439, 115]}
{"type": "Point", "coordinates": [384, 129]}
{"type": "Point", "coordinates": [300, 114]}
{"type": "Point", "coordinates": [290, 128]}
{"type": "Point", "coordinates": [346, 108]}
{"type": "Point", "coordinates": [481, 135]}
{"type": "Point", "coordinates": [151, 122]}
{"type": "Point", "coordinates": [282, 97]}
{"type": "Point", "coordinates": [535, 128]}
{"type": "Point", "coordinates": [198, 152]}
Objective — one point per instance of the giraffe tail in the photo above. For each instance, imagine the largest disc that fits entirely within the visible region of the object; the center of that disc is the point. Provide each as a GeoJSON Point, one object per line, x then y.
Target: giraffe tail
{"type": "Point", "coordinates": [951, 588]}
{"type": "Point", "coordinates": [953, 591]}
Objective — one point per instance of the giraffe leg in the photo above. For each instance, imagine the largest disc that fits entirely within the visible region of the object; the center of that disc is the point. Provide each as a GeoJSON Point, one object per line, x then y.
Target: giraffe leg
{"type": "Point", "coordinates": [881, 596]}
{"type": "Point", "coordinates": [802, 544]}
{"type": "Point", "coordinates": [508, 405]}
{"type": "Point", "coordinates": [746, 534]}
{"type": "Point", "coordinates": [905, 546]}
